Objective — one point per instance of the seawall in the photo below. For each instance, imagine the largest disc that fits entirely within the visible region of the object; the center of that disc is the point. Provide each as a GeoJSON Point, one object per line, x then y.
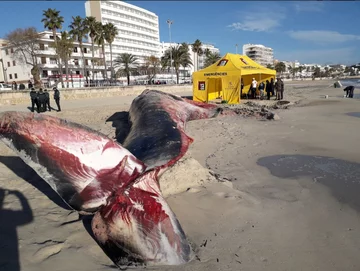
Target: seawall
{"type": "Point", "coordinates": [23, 96]}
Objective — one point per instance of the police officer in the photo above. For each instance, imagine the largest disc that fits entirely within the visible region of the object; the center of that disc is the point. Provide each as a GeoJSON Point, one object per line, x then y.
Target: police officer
{"type": "Point", "coordinates": [42, 100]}
{"type": "Point", "coordinates": [34, 100]}
{"type": "Point", "coordinates": [57, 98]}
{"type": "Point", "coordinates": [47, 101]}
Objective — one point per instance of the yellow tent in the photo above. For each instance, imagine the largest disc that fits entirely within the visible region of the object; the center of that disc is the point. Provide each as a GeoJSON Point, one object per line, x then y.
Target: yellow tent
{"type": "Point", "coordinates": [223, 79]}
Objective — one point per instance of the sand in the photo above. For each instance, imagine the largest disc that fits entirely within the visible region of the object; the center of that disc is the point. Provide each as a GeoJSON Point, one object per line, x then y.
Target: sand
{"type": "Point", "coordinates": [290, 203]}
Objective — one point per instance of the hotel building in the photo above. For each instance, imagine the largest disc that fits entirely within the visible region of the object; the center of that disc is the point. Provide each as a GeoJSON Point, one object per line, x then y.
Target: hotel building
{"type": "Point", "coordinates": [138, 28]}
{"type": "Point", "coordinates": [259, 53]}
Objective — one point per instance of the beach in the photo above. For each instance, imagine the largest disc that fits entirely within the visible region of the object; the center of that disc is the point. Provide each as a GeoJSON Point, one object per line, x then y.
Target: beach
{"type": "Point", "coordinates": [285, 195]}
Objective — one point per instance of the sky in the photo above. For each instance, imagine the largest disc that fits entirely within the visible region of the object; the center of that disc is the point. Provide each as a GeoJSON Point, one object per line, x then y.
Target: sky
{"type": "Point", "coordinates": [321, 32]}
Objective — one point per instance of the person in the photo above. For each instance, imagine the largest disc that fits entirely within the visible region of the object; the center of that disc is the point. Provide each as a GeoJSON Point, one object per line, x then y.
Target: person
{"type": "Point", "coordinates": [30, 85]}
{"type": "Point", "coordinates": [57, 98]}
{"type": "Point", "coordinates": [34, 100]}
{"type": "Point", "coordinates": [269, 89]}
{"type": "Point", "coordinates": [253, 88]}
{"type": "Point", "coordinates": [279, 87]}
{"type": "Point", "coordinates": [242, 87]}
{"type": "Point", "coordinates": [47, 100]}
{"type": "Point", "coordinates": [42, 100]}
{"type": "Point", "coordinates": [272, 86]}
{"type": "Point", "coordinates": [349, 91]}
{"type": "Point", "coordinates": [261, 90]}
{"type": "Point", "coordinates": [14, 85]}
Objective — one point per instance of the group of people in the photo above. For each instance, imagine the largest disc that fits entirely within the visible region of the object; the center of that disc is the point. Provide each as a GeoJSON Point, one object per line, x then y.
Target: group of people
{"type": "Point", "coordinates": [272, 88]}
{"type": "Point", "coordinates": [41, 99]}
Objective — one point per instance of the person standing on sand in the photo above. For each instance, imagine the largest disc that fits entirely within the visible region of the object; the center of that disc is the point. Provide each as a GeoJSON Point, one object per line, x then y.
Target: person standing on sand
{"type": "Point", "coordinates": [47, 101]}
{"type": "Point", "coordinates": [349, 91]}
{"type": "Point", "coordinates": [279, 87]}
{"type": "Point", "coordinates": [42, 100]}
{"type": "Point", "coordinates": [269, 89]}
{"type": "Point", "coordinates": [253, 88]}
{"type": "Point", "coordinates": [261, 90]}
{"type": "Point", "coordinates": [57, 98]}
{"type": "Point", "coordinates": [34, 100]}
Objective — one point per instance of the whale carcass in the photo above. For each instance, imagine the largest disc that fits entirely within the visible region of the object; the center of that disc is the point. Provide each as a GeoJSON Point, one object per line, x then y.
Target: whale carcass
{"type": "Point", "coordinates": [117, 183]}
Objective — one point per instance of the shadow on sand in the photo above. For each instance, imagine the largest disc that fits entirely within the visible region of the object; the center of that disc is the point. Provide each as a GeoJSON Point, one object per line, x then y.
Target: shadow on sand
{"type": "Point", "coordinates": [120, 121]}
{"type": "Point", "coordinates": [340, 176]}
{"type": "Point", "coordinates": [9, 221]}
{"type": "Point", "coordinates": [26, 173]}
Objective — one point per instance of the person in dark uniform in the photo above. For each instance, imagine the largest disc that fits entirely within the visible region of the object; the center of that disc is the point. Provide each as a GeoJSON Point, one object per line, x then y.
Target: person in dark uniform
{"type": "Point", "coordinates": [34, 100]}
{"type": "Point", "coordinates": [349, 91]}
{"type": "Point", "coordinates": [42, 100]}
{"type": "Point", "coordinates": [279, 87]}
{"type": "Point", "coordinates": [47, 102]}
{"type": "Point", "coordinates": [269, 89]}
{"type": "Point", "coordinates": [57, 98]}
{"type": "Point", "coordinates": [272, 86]}
{"type": "Point", "coordinates": [30, 85]}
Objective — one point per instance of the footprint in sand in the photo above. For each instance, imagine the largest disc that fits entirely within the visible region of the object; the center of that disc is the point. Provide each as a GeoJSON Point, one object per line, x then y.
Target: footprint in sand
{"type": "Point", "coordinates": [48, 251]}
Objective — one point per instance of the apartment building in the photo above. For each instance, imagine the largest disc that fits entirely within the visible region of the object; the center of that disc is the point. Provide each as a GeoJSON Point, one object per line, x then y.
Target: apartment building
{"type": "Point", "coordinates": [138, 28]}
{"type": "Point", "coordinates": [259, 53]}
{"type": "Point", "coordinates": [15, 70]}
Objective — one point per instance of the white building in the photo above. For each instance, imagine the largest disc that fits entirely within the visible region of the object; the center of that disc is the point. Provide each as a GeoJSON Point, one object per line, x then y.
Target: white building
{"type": "Point", "coordinates": [138, 28]}
{"type": "Point", "coordinates": [259, 53]}
{"type": "Point", "coordinates": [196, 65]}
{"type": "Point", "coordinates": [16, 70]}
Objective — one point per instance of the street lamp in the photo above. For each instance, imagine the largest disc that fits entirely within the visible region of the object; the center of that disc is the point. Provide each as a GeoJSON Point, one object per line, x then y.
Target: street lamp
{"type": "Point", "coordinates": [4, 70]}
{"type": "Point", "coordinates": [169, 22]}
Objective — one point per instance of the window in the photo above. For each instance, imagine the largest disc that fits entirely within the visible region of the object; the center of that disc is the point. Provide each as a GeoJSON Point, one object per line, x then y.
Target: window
{"type": "Point", "coordinates": [76, 62]}
{"type": "Point", "coordinates": [85, 50]}
{"type": "Point", "coordinates": [53, 61]}
{"type": "Point", "coordinates": [43, 60]}
{"type": "Point", "coordinates": [15, 75]}
{"type": "Point", "coordinates": [223, 62]}
{"type": "Point", "coordinates": [75, 50]}
{"type": "Point", "coordinates": [14, 63]}
{"type": "Point", "coordinates": [42, 46]}
{"type": "Point", "coordinates": [8, 64]}
{"type": "Point", "coordinates": [86, 61]}
{"type": "Point", "coordinates": [6, 51]}
{"type": "Point", "coordinates": [51, 37]}
{"type": "Point", "coordinates": [12, 50]}
{"type": "Point", "coordinates": [45, 73]}
{"type": "Point", "coordinates": [77, 72]}
{"type": "Point", "coordinates": [10, 76]}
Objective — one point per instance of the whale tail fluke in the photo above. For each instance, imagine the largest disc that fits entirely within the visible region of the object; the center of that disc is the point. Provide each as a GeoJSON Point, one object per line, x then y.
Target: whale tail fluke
{"type": "Point", "coordinates": [137, 226]}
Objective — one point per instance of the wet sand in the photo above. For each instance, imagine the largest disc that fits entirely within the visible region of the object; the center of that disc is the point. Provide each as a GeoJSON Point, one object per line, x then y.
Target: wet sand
{"type": "Point", "coordinates": [292, 204]}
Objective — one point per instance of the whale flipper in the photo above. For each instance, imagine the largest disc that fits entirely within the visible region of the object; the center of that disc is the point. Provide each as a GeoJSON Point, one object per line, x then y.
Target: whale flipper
{"type": "Point", "coordinates": [83, 166]}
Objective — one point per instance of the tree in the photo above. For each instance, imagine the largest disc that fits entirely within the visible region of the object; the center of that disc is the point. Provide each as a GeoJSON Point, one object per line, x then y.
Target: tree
{"type": "Point", "coordinates": [64, 48]}
{"type": "Point", "coordinates": [152, 65]}
{"type": "Point", "coordinates": [53, 21]}
{"type": "Point", "coordinates": [280, 67]}
{"type": "Point", "coordinates": [100, 41]}
{"type": "Point", "coordinates": [127, 64]}
{"type": "Point", "coordinates": [25, 43]}
{"type": "Point", "coordinates": [110, 33]}
{"type": "Point", "coordinates": [211, 58]}
{"type": "Point", "coordinates": [197, 49]}
{"type": "Point", "coordinates": [269, 66]}
{"type": "Point", "coordinates": [78, 32]}
{"type": "Point", "coordinates": [90, 23]}
{"type": "Point", "coordinates": [317, 72]}
{"type": "Point", "coordinates": [180, 56]}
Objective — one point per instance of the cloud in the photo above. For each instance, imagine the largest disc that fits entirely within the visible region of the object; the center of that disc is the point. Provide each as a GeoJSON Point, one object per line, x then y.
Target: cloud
{"type": "Point", "coordinates": [259, 19]}
{"type": "Point", "coordinates": [309, 6]}
{"type": "Point", "coordinates": [344, 55]}
{"type": "Point", "coordinates": [323, 37]}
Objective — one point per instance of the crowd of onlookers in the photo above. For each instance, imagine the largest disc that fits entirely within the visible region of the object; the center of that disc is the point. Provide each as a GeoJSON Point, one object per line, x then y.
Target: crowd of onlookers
{"type": "Point", "coordinates": [264, 89]}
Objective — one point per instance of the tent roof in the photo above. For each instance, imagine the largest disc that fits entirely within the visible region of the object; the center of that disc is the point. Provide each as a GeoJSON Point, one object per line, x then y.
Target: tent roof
{"type": "Point", "coordinates": [238, 63]}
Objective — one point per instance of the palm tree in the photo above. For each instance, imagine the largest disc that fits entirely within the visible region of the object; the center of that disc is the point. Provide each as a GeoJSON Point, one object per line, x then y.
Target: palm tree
{"type": "Point", "coordinates": [127, 64]}
{"type": "Point", "coordinates": [100, 41]}
{"type": "Point", "coordinates": [78, 32]}
{"type": "Point", "coordinates": [110, 33]}
{"type": "Point", "coordinates": [64, 49]}
{"type": "Point", "coordinates": [90, 23]}
{"type": "Point", "coordinates": [280, 67]}
{"type": "Point", "coordinates": [196, 48]}
{"type": "Point", "coordinates": [211, 58]}
{"type": "Point", "coordinates": [180, 56]}
{"type": "Point", "coordinates": [53, 21]}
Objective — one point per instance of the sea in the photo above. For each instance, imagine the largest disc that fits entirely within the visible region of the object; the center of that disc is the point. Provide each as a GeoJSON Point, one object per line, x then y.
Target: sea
{"type": "Point", "coordinates": [352, 82]}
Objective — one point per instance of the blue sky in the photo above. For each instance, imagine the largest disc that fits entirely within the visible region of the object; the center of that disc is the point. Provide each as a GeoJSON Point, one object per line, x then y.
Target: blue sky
{"type": "Point", "coordinates": [308, 31]}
